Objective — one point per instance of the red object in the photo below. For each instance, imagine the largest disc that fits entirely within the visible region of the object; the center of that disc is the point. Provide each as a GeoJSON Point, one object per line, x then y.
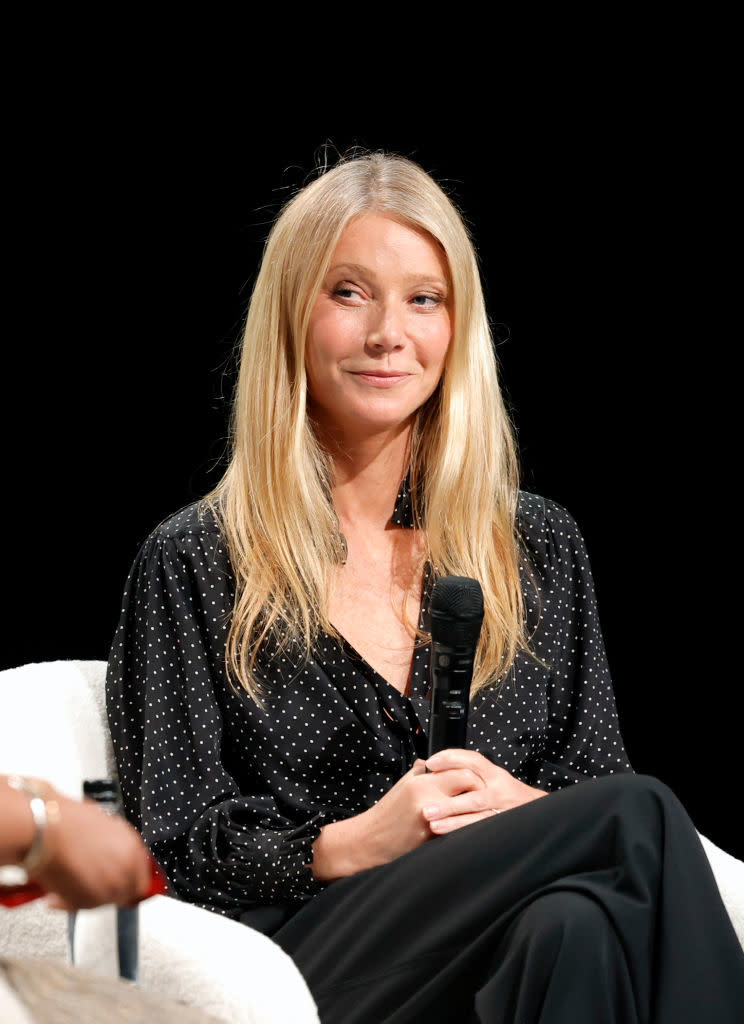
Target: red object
{"type": "Point", "coordinates": [16, 895]}
{"type": "Point", "coordinates": [158, 882]}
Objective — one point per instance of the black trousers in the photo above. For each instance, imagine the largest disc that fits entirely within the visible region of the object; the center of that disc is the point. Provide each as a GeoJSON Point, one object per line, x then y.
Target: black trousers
{"type": "Point", "coordinates": [595, 904]}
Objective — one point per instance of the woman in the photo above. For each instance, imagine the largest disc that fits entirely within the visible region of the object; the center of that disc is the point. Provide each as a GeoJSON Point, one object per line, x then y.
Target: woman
{"type": "Point", "coordinates": [268, 683]}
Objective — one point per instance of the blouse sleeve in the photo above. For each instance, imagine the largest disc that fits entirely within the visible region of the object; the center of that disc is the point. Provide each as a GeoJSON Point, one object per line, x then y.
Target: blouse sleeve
{"type": "Point", "coordinates": [220, 847]}
{"type": "Point", "coordinates": [583, 737]}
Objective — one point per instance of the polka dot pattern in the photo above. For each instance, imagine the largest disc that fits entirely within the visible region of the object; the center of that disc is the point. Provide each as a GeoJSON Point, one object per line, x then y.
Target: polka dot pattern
{"type": "Point", "coordinates": [230, 796]}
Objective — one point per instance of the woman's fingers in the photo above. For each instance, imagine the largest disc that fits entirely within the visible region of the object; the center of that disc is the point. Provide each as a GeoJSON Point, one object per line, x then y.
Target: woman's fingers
{"type": "Point", "coordinates": [457, 780]}
{"type": "Point", "coordinates": [440, 826]}
{"type": "Point", "coordinates": [491, 787]}
{"type": "Point", "coordinates": [472, 802]}
{"type": "Point", "coordinates": [458, 758]}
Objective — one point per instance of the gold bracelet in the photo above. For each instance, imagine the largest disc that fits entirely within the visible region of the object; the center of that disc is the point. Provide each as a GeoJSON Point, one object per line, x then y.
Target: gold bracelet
{"type": "Point", "coordinates": [44, 812]}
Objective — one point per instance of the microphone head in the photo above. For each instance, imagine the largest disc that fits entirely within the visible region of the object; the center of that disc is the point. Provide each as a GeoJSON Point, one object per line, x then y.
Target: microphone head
{"type": "Point", "coordinates": [456, 610]}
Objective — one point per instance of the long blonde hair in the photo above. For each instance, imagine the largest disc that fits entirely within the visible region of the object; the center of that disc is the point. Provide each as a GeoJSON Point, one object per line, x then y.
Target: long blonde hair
{"type": "Point", "coordinates": [274, 500]}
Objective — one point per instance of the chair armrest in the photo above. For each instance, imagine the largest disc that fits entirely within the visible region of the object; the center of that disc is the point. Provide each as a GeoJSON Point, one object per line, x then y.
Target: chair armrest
{"type": "Point", "coordinates": [226, 968]}
{"type": "Point", "coordinates": [728, 872]}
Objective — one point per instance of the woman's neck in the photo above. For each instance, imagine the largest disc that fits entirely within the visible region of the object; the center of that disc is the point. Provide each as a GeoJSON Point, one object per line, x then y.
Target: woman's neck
{"type": "Point", "coordinates": [367, 476]}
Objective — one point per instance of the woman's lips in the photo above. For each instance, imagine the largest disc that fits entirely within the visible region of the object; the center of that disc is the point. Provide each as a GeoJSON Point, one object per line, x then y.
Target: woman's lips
{"type": "Point", "coordinates": [381, 378]}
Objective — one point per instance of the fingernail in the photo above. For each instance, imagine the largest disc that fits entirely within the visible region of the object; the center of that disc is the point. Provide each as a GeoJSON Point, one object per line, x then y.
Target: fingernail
{"type": "Point", "coordinates": [431, 812]}
{"type": "Point", "coordinates": [433, 762]}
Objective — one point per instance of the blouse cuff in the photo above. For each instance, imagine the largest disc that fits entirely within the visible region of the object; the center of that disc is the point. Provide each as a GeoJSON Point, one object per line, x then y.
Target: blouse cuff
{"type": "Point", "coordinates": [297, 848]}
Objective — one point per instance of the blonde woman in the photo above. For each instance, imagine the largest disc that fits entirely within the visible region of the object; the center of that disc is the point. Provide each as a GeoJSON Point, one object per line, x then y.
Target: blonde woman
{"type": "Point", "coordinates": [268, 682]}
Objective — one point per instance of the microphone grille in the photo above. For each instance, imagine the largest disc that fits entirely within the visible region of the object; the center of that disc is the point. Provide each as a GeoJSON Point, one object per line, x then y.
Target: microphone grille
{"type": "Point", "coordinates": [457, 597]}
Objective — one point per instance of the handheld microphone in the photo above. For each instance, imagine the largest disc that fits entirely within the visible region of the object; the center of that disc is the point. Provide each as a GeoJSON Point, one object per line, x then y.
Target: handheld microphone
{"type": "Point", "coordinates": [456, 619]}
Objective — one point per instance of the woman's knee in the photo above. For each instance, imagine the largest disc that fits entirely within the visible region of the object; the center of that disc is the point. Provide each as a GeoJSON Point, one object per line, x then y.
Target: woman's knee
{"type": "Point", "coordinates": [630, 789]}
{"type": "Point", "coordinates": [637, 811]}
{"type": "Point", "coordinates": [565, 916]}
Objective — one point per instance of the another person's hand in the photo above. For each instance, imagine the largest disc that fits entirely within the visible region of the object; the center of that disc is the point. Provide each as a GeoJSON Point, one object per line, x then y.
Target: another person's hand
{"type": "Point", "coordinates": [498, 791]}
{"type": "Point", "coordinates": [91, 858]}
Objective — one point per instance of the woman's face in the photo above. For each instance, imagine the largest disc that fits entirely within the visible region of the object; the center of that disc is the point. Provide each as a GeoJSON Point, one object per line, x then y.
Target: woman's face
{"type": "Point", "coordinates": [379, 329]}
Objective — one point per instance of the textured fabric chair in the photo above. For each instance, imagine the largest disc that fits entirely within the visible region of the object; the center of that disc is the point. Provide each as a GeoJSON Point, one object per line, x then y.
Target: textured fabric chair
{"type": "Point", "coordinates": [53, 725]}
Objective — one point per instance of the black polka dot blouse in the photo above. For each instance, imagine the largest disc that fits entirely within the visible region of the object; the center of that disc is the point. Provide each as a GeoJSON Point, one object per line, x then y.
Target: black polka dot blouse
{"type": "Point", "coordinates": [230, 797]}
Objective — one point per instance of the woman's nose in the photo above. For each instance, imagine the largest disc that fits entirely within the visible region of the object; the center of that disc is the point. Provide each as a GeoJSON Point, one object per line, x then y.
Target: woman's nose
{"type": "Point", "coordinates": [386, 331]}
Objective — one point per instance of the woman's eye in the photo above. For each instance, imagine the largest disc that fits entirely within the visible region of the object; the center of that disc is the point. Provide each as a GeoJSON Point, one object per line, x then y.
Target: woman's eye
{"type": "Point", "coordinates": [427, 300]}
{"type": "Point", "coordinates": [345, 292]}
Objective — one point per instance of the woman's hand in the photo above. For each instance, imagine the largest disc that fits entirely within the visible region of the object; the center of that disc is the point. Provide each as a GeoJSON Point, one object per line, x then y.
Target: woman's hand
{"type": "Point", "coordinates": [498, 791]}
{"type": "Point", "coordinates": [92, 858]}
{"type": "Point", "coordinates": [392, 826]}
{"type": "Point", "coordinates": [397, 822]}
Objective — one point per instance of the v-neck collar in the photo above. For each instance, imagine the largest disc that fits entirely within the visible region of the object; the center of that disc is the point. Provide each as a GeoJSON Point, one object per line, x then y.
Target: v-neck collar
{"type": "Point", "coordinates": [406, 713]}
{"type": "Point", "coordinates": [403, 510]}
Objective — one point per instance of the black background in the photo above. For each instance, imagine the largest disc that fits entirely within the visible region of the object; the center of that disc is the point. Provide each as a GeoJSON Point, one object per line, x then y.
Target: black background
{"type": "Point", "coordinates": [601, 222]}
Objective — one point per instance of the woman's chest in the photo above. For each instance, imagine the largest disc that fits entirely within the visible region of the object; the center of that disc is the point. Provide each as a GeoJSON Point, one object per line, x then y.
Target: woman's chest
{"type": "Point", "coordinates": [380, 625]}
{"type": "Point", "coordinates": [377, 611]}
{"type": "Point", "coordinates": [333, 737]}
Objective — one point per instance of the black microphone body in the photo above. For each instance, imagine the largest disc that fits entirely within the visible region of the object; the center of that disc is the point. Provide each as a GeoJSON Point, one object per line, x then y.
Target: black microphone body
{"type": "Point", "coordinates": [456, 618]}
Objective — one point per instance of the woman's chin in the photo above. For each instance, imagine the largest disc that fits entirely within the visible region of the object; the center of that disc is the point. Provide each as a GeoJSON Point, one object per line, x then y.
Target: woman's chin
{"type": "Point", "coordinates": [358, 424]}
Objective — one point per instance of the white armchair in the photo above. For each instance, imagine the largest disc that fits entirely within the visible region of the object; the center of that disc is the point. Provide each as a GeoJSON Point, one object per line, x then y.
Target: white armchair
{"type": "Point", "coordinates": [53, 725]}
